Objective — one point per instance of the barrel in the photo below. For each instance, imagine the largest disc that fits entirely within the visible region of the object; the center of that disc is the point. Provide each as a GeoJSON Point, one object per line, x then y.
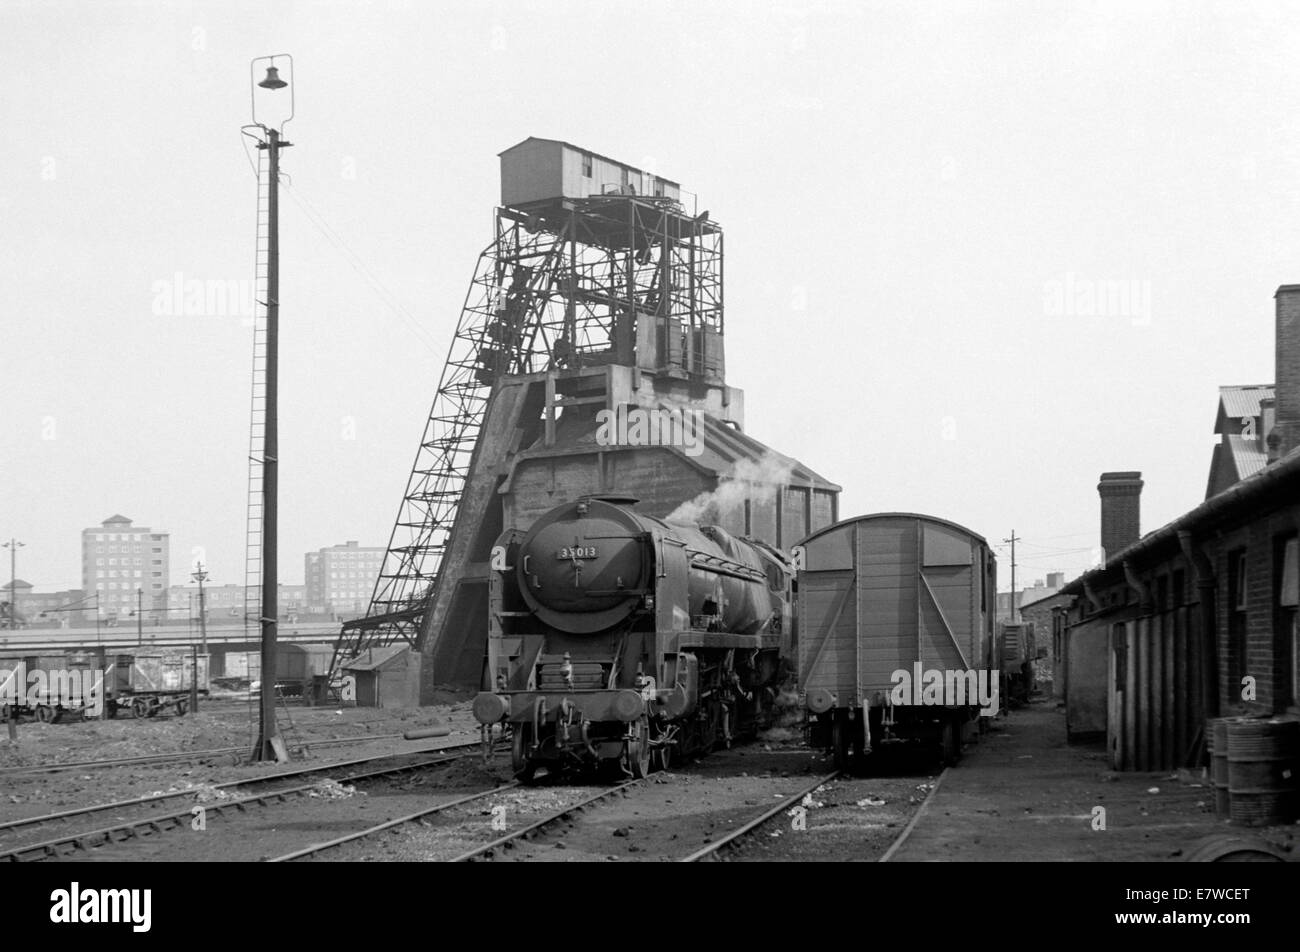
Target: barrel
{"type": "Point", "coordinates": [1216, 738]}
{"type": "Point", "coordinates": [1264, 770]}
{"type": "Point", "coordinates": [1233, 848]}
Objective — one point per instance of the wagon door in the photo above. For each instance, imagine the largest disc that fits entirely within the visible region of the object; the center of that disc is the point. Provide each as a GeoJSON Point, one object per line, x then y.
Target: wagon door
{"type": "Point", "coordinates": [828, 614]}
{"type": "Point", "coordinates": [886, 622]}
{"type": "Point", "coordinates": [947, 599]}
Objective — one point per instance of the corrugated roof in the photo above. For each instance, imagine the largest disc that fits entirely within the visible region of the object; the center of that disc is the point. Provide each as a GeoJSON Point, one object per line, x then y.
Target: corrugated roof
{"type": "Point", "coordinates": [1247, 455]}
{"type": "Point", "coordinates": [1240, 401]}
{"type": "Point", "coordinates": [373, 658]}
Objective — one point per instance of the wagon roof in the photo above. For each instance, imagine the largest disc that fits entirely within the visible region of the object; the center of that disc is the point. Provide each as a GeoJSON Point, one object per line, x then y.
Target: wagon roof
{"type": "Point", "coordinates": [895, 515]}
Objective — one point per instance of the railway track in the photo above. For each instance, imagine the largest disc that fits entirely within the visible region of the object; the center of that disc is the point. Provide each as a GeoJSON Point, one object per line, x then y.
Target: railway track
{"type": "Point", "coordinates": [714, 850]}
{"type": "Point", "coordinates": [180, 756]}
{"type": "Point", "coordinates": [318, 848]}
{"type": "Point", "coordinates": [130, 828]}
{"type": "Point", "coordinates": [488, 850]}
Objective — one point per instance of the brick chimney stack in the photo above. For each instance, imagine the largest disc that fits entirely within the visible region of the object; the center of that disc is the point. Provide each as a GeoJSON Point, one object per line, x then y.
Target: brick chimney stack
{"type": "Point", "coordinates": [1121, 496]}
{"type": "Point", "coordinates": [1287, 385]}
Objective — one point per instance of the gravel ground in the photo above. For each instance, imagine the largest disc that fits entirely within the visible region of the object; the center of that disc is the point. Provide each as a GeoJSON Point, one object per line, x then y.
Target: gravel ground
{"type": "Point", "coordinates": [219, 724]}
{"type": "Point", "coordinates": [674, 814]}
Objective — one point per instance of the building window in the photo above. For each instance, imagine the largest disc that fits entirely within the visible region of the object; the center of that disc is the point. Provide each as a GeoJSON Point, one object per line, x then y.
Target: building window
{"type": "Point", "coordinates": [157, 549]}
{"type": "Point", "coordinates": [586, 164]}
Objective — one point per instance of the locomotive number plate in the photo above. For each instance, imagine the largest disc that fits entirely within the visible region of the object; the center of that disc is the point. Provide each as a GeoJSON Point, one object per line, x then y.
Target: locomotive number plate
{"type": "Point", "coordinates": [577, 552]}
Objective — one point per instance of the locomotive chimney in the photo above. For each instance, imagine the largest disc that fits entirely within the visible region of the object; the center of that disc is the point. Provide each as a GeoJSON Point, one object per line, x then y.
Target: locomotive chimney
{"type": "Point", "coordinates": [1121, 495]}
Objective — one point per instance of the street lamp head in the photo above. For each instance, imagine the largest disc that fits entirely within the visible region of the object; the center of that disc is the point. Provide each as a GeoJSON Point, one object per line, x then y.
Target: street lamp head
{"type": "Point", "coordinates": [273, 80]}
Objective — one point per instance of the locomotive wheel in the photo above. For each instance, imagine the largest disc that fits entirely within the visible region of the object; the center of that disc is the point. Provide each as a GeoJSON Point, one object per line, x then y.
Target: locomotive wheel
{"type": "Point", "coordinates": [522, 767]}
{"type": "Point", "coordinates": [139, 707]}
{"type": "Point", "coordinates": [636, 752]}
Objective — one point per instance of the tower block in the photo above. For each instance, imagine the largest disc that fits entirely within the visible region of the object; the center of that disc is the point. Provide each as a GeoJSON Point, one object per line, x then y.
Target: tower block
{"type": "Point", "coordinates": [589, 358]}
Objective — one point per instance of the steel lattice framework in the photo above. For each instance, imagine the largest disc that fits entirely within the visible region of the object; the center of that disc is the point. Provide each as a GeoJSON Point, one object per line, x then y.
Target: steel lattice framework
{"type": "Point", "coordinates": [561, 286]}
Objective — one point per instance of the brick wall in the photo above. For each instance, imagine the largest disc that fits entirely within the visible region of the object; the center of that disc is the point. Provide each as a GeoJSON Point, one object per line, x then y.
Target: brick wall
{"type": "Point", "coordinates": [1121, 498]}
{"type": "Point", "coordinates": [1288, 368]}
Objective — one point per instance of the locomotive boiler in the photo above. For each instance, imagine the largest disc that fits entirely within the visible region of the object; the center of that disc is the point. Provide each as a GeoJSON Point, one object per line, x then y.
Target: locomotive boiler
{"type": "Point", "coordinates": [621, 640]}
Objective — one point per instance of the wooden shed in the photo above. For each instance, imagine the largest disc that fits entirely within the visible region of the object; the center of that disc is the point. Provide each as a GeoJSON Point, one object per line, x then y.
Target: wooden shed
{"type": "Point", "coordinates": [545, 170]}
{"type": "Point", "coordinates": [386, 677]}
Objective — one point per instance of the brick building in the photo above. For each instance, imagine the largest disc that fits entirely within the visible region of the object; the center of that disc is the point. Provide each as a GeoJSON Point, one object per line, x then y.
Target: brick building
{"type": "Point", "coordinates": [1198, 618]}
{"type": "Point", "coordinates": [341, 578]}
{"type": "Point", "coordinates": [119, 560]}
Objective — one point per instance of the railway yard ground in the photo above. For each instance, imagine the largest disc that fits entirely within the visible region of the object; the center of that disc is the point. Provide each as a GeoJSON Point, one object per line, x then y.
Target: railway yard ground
{"type": "Point", "coordinates": [1020, 794]}
{"type": "Point", "coordinates": [1024, 795]}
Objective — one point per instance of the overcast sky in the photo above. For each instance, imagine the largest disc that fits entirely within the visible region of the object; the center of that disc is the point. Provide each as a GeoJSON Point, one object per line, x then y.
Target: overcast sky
{"type": "Point", "coordinates": [918, 201]}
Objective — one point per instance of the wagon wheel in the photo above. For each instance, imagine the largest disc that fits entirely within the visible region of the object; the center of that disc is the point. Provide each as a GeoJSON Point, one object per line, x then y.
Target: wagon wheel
{"type": "Point", "coordinates": [45, 714]}
{"type": "Point", "coordinates": [139, 707]}
{"type": "Point", "coordinates": [182, 706]}
{"type": "Point", "coordinates": [522, 767]}
{"type": "Point", "coordinates": [636, 750]}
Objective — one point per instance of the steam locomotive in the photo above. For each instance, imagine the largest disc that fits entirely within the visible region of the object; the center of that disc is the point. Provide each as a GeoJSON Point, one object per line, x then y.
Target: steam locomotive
{"type": "Point", "coordinates": [621, 641]}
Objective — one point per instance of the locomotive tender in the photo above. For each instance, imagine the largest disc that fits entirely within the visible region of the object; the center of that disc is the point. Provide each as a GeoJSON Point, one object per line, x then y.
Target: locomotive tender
{"type": "Point", "coordinates": [618, 639]}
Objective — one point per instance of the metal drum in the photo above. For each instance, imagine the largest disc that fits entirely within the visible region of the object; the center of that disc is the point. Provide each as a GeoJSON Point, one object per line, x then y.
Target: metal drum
{"type": "Point", "coordinates": [1216, 736]}
{"type": "Point", "coordinates": [1264, 770]}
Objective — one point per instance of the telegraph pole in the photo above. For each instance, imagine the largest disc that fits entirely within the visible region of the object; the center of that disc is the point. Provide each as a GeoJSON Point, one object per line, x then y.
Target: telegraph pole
{"type": "Point", "coordinates": [1015, 612]}
{"type": "Point", "coordinates": [139, 617]}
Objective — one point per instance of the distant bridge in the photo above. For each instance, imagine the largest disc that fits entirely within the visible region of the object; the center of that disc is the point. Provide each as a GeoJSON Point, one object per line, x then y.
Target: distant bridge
{"type": "Point", "coordinates": [125, 638]}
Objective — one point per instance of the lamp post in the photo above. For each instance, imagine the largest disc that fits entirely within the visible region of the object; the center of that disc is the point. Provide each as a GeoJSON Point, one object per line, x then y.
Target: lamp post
{"type": "Point", "coordinates": [201, 576]}
{"type": "Point", "coordinates": [270, 746]}
{"type": "Point", "coordinates": [13, 545]}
